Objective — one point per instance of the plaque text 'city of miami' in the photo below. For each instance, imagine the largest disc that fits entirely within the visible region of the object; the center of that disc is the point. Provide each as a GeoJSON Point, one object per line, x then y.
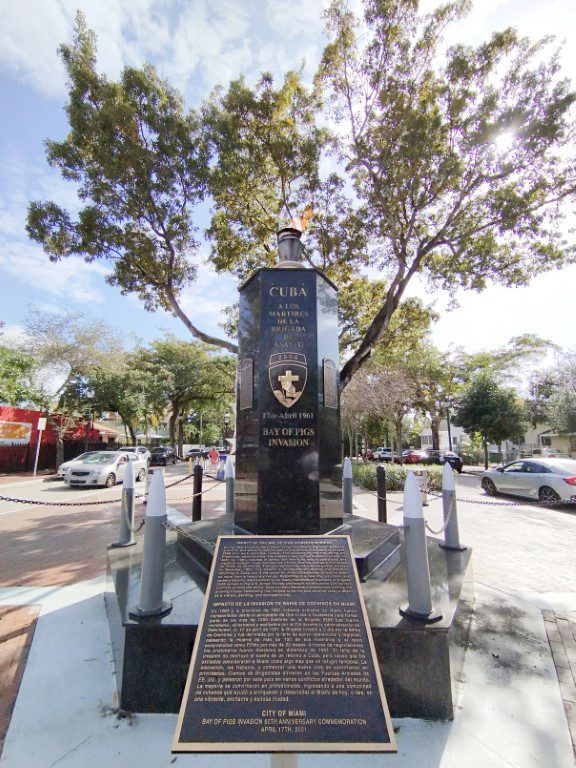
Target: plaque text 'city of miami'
{"type": "Point", "coordinates": [284, 659]}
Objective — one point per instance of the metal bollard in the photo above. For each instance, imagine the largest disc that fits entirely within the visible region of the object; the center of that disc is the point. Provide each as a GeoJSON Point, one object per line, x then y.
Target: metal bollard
{"type": "Point", "coordinates": [126, 535]}
{"type": "Point", "coordinates": [417, 569]}
{"type": "Point", "coordinates": [229, 477]}
{"type": "Point", "coordinates": [381, 490]}
{"type": "Point", "coordinates": [347, 483]}
{"type": "Point", "coordinates": [197, 489]}
{"type": "Point", "coordinates": [151, 602]}
{"type": "Point", "coordinates": [450, 511]}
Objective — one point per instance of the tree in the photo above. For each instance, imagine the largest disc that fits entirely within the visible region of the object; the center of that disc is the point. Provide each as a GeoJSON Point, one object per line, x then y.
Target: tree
{"type": "Point", "coordinates": [68, 349]}
{"type": "Point", "coordinates": [140, 165]}
{"type": "Point", "coordinates": [440, 194]}
{"type": "Point", "coordinates": [556, 394]}
{"type": "Point", "coordinates": [17, 385]}
{"type": "Point", "coordinates": [490, 410]}
{"type": "Point", "coordinates": [375, 394]}
{"type": "Point", "coordinates": [419, 180]}
{"type": "Point", "coordinates": [435, 384]}
{"type": "Point", "coordinates": [187, 375]}
{"type": "Point", "coordinates": [504, 363]}
{"type": "Point", "coordinates": [125, 390]}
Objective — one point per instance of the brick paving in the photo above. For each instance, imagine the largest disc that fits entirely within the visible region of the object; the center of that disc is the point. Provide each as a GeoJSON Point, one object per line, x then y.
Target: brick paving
{"type": "Point", "coordinates": [17, 624]}
{"type": "Point", "coordinates": [561, 631]}
{"type": "Point", "coordinates": [59, 546]}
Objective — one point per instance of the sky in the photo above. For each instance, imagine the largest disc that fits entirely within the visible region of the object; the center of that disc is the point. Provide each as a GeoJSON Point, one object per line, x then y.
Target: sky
{"type": "Point", "coordinates": [197, 44]}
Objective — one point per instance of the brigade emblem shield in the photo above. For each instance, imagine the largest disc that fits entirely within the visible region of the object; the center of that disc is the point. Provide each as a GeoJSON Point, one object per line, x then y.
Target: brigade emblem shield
{"type": "Point", "coordinates": [288, 373]}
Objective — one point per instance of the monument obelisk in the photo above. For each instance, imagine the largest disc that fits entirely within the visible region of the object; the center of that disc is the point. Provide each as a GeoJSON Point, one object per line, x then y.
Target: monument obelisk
{"type": "Point", "coordinates": [288, 448]}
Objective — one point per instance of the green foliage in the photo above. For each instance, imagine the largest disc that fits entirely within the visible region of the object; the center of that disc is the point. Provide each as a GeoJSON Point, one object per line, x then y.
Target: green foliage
{"type": "Point", "coordinates": [417, 179]}
{"type": "Point", "coordinates": [439, 196]}
{"type": "Point", "coordinates": [139, 164]}
{"type": "Point", "coordinates": [187, 376]}
{"type": "Point", "coordinates": [365, 476]}
{"type": "Point", "coordinates": [16, 377]}
{"type": "Point", "coordinates": [506, 362]}
{"type": "Point", "coordinates": [490, 410]}
{"type": "Point", "coordinates": [561, 404]}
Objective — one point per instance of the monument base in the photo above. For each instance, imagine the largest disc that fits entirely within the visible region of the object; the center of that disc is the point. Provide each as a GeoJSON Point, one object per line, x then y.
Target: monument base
{"type": "Point", "coordinates": [375, 545]}
{"type": "Point", "coordinates": [420, 664]}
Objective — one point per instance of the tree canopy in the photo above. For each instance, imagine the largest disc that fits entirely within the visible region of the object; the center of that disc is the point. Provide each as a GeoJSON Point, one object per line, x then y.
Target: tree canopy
{"type": "Point", "coordinates": [140, 165]}
{"type": "Point", "coordinates": [490, 410]}
{"type": "Point", "coordinates": [410, 159]}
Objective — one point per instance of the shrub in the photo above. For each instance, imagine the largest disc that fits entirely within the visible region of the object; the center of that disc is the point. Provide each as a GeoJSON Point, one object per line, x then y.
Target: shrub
{"type": "Point", "coordinates": [365, 476]}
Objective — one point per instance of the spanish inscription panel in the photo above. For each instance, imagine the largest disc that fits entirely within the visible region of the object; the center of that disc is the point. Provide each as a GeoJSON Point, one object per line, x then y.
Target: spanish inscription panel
{"type": "Point", "coordinates": [284, 658]}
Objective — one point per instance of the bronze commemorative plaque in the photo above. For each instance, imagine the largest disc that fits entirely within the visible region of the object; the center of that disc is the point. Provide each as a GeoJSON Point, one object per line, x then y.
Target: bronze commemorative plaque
{"type": "Point", "coordinates": [284, 659]}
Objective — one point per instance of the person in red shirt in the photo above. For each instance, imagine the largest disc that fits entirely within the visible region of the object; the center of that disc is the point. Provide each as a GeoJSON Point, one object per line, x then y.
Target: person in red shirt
{"type": "Point", "coordinates": [213, 458]}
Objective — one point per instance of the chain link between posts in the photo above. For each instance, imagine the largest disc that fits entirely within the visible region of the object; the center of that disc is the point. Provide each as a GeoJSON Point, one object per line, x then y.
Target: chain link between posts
{"type": "Point", "coordinates": [39, 503]}
{"type": "Point", "coordinates": [447, 519]}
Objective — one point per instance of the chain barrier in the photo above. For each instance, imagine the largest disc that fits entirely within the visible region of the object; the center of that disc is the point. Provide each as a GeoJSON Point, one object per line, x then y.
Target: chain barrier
{"type": "Point", "coordinates": [35, 502]}
{"type": "Point", "coordinates": [447, 520]}
{"type": "Point", "coordinates": [481, 502]}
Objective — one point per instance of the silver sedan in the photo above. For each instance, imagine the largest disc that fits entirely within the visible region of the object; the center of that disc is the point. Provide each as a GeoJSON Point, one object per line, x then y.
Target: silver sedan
{"type": "Point", "coordinates": [104, 468]}
{"type": "Point", "coordinates": [546, 480]}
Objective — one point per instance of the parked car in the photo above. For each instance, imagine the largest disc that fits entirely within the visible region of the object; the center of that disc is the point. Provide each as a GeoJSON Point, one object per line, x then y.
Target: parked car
{"type": "Point", "coordinates": [105, 468]}
{"type": "Point", "coordinates": [197, 453]}
{"type": "Point", "coordinates": [413, 456]}
{"type": "Point", "coordinates": [434, 456]}
{"type": "Point", "coordinates": [162, 455]}
{"type": "Point", "coordinates": [544, 479]}
{"type": "Point", "coordinates": [140, 450]}
{"type": "Point", "coordinates": [383, 454]}
{"type": "Point", "coordinates": [65, 466]}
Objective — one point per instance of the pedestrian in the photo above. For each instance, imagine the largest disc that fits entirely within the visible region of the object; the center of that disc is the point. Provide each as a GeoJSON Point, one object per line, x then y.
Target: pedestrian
{"type": "Point", "coordinates": [213, 458]}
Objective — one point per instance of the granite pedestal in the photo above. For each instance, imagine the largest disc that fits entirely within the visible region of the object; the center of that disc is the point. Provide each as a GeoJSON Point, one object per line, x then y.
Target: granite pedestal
{"type": "Point", "coordinates": [420, 664]}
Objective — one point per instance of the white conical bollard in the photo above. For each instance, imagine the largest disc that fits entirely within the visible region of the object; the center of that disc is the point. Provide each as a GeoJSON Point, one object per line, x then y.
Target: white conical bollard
{"type": "Point", "coordinates": [347, 482]}
{"type": "Point", "coordinates": [416, 556]}
{"type": "Point", "coordinates": [125, 535]}
{"type": "Point", "coordinates": [151, 602]}
{"type": "Point", "coordinates": [450, 511]}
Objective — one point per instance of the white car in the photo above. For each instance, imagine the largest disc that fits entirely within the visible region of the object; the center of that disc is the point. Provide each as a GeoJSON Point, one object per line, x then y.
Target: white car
{"type": "Point", "coordinates": [104, 468]}
{"type": "Point", "coordinates": [140, 450]}
{"type": "Point", "coordinates": [382, 454]}
{"type": "Point", "coordinates": [547, 480]}
{"type": "Point", "coordinates": [63, 468]}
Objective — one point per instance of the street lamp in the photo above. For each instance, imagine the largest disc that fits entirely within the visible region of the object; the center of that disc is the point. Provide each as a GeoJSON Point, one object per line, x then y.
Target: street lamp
{"type": "Point", "coordinates": [89, 397]}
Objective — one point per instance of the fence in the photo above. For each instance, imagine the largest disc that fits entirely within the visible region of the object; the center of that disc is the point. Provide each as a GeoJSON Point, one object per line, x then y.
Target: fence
{"type": "Point", "coordinates": [20, 458]}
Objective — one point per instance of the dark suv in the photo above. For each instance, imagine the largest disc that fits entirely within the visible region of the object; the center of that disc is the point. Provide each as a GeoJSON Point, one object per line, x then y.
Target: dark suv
{"type": "Point", "coordinates": [162, 455]}
{"type": "Point", "coordinates": [444, 457]}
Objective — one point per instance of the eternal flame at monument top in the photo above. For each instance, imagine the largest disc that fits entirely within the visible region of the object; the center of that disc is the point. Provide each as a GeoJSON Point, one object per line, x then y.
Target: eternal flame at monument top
{"type": "Point", "coordinates": [288, 453]}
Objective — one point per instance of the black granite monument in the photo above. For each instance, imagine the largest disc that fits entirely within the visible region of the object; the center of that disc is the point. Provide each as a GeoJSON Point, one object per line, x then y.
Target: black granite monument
{"type": "Point", "coordinates": [288, 452]}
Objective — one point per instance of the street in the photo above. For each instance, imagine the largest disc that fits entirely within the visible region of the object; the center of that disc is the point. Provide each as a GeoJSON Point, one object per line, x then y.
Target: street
{"type": "Point", "coordinates": [518, 547]}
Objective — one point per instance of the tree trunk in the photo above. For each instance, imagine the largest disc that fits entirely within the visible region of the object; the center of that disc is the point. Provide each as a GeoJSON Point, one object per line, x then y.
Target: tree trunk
{"type": "Point", "coordinates": [485, 444]}
{"type": "Point", "coordinates": [172, 427]}
{"type": "Point", "coordinates": [435, 426]}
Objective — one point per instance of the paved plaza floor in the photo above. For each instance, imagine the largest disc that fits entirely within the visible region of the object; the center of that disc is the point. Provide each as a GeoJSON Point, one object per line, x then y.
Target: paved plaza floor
{"type": "Point", "coordinates": [516, 703]}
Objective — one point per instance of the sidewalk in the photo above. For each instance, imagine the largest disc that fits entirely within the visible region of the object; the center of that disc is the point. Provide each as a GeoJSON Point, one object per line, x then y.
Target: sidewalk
{"type": "Point", "coordinates": [509, 709]}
